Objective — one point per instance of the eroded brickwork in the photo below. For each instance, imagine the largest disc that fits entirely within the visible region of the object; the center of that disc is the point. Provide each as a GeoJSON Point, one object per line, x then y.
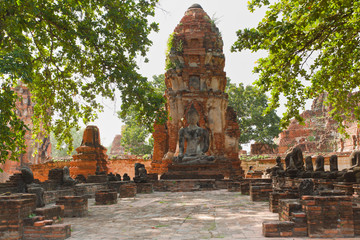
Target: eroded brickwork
{"type": "Point", "coordinates": [25, 110]}
{"type": "Point", "coordinates": [319, 134]}
{"type": "Point", "coordinates": [90, 155]}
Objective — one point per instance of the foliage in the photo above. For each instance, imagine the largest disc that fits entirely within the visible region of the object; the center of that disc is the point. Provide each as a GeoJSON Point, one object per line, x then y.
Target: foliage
{"type": "Point", "coordinates": [158, 83]}
{"type": "Point", "coordinates": [170, 45]}
{"type": "Point", "coordinates": [174, 45]}
{"type": "Point", "coordinates": [68, 53]}
{"type": "Point", "coordinates": [250, 104]}
{"type": "Point", "coordinates": [59, 149]}
{"type": "Point", "coordinates": [313, 47]}
{"type": "Point", "coordinates": [12, 129]}
{"type": "Point", "coordinates": [136, 136]}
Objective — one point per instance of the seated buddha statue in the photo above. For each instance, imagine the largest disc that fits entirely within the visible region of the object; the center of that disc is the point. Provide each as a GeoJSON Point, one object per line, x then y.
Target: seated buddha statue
{"type": "Point", "coordinates": [196, 140]}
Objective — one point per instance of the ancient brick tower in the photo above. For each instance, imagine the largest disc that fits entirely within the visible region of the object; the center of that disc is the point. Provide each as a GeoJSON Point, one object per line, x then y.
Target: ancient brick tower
{"type": "Point", "coordinates": [195, 76]}
{"type": "Point", "coordinates": [25, 110]}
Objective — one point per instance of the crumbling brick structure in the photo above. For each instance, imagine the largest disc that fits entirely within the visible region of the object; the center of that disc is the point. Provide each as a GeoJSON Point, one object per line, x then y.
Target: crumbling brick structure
{"type": "Point", "coordinates": [25, 110]}
{"type": "Point", "coordinates": [196, 76]}
{"type": "Point", "coordinates": [319, 134]}
{"type": "Point", "coordinates": [91, 154]}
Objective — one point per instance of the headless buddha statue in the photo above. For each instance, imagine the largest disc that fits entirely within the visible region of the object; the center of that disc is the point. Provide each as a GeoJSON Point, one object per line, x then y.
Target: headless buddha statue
{"type": "Point", "coordinates": [196, 139]}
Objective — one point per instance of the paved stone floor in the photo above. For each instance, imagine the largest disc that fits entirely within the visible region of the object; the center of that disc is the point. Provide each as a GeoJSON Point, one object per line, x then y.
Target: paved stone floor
{"type": "Point", "coordinates": [187, 215]}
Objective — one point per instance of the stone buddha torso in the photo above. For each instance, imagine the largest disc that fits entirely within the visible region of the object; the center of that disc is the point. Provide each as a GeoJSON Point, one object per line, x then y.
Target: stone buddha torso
{"type": "Point", "coordinates": [196, 139]}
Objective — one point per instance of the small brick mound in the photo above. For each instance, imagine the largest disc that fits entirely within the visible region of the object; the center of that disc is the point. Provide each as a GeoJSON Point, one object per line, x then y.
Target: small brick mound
{"type": "Point", "coordinates": [144, 188]}
{"type": "Point", "coordinates": [260, 191]}
{"type": "Point", "coordinates": [245, 188]}
{"type": "Point", "coordinates": [152, 177]}
{"type": "Point", "coordinates": [346, 187]}
{"type": "Point", "coordinates": [356, 212]}
{"type": "Point", "coordinates": [234, 187]}
{"type": "Point", "coordinates": [97, 179]}
{"type": "Point", "coordinates": [13, 209]}
{"type": "Point", "coordinates": [287, 207]}
{"type": "Point", "coordinates": [105, 197]}
{"type": "Point", "coordinates": [275, 197]}
{"type": "Point", "coordinates": [74, 206]}
{"type": "Point", "coordinates": [278, 228]}
{"type": "Point", "coordinates": [51, 212]}
{"type": "Point", "coordinates": [329, 216]}
{"type": "Point", "coordinates": [45, 230]}
{"type": "Point", "coordinates": [128, 190]}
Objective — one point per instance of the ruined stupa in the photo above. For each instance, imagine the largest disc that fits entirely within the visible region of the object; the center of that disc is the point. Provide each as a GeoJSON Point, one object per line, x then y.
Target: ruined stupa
{"type": "Point", "coordinates": [195, 78]}
{"type": "Point", "coordinates": [91, 155]}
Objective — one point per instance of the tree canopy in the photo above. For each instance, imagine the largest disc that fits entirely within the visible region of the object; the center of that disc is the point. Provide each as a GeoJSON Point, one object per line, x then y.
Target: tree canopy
{"type": "Point", "coordinates": [59, 149]}
{"type": "Point", "coordinates": [250, 103]}
{"type": "Point", "coordinates": [68, 53]}
{"type": "Point", "coordinates": [136, 137]}
{"type": "Point", "coordinates": [313, 47]}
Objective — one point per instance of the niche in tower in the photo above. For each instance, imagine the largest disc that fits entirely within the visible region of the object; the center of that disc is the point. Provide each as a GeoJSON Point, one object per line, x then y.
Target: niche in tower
{"type": "Point", "coordinates": [194, 82]}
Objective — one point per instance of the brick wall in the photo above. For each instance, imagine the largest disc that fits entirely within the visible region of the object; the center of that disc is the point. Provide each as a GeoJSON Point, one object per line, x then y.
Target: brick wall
{"type": "Point", "coordinates": [119, 166]}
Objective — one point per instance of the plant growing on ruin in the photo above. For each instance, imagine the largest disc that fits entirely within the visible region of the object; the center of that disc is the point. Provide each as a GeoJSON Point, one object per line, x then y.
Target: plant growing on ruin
{"type": "Point", "coordinates": [313, 47]}
{"type": "Point", "coordinates": [69, 53]}
{"type": "Point", "coordinates": [176, 46]}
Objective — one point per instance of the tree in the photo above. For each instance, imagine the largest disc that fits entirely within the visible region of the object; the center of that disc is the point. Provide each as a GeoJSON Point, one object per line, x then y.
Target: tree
{"type": "Point", "coordinates": [136, 136]}
{"type": "Point", "coordinates": [12, 130]}
{"type": "Point", "coordinates": [61, 149]}
{"type": "Point", "coordinates": [250, 103]}
{"type": "Point", "coordinates": [68, 53]}
{"type": "Point", "coordinates": [313, 47]}
{"type": "Point", "coordinates": [158, 83]}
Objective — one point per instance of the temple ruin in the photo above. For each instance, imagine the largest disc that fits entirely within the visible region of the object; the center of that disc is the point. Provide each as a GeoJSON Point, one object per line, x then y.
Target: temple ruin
{"type": "Point", "coordinates": [25, 110]}
{"type": "Point", "coordinates": [309, 188]}
{"type": "Point", "coordinates": [195, 78]}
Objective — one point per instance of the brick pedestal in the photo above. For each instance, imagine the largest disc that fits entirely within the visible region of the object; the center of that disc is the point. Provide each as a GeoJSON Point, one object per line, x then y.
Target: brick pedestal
{"type": "Point", "coordinates": [356, 214]}
{"type": "Point", "coordinates": [144, 188]}
{"type": "Point", "coordinates": [278, 228]}
{"type": "Point", "coordinates": [323, 184]}
{"type": "Point", "coordinates": [245, 188]}
{"type": "Point", "coordinates": [128, 190]}
{"type": "Point", "coordinates": [287, 207]}
{"type": "Point", "coordinates": [292, 221]}
{"type": "Point", "coordinates": [13, 209]}
{"type": "Point", "coordinates": [74, 206]}
{"type": "Point", "coordinates": [274, 198]}
{"type": "Point", "coordinates": [234, 187]}
{"type": "Point", "coordinates": [105, 197]}
{"type": "Point", "coordinates": [346, 187]}
{"type": "Point", "coordinates": [329, 216]}
{"type": "Point", "coordinates": [50, 212]}
{"type": "Point", "coordinates": [45, 230]}
{"type": "Point", "coordinates": [260, 191]}
{"type": "Point", "coordinates": [97, 179]}
{"type": "Point", "coordinates": [356, 195]}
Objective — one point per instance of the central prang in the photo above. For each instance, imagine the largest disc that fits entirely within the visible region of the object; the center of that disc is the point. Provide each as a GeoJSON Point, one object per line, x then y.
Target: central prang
{"type": "Point", "coordinates": [196, 139]}
{"type": "Point", "coordinates": [200, 138]}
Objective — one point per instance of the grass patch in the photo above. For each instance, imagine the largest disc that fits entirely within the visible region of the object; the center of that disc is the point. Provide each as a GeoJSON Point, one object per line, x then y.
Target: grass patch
{"type": "Point", "coordinates": [159, 226]}
{"type": "Point", "coordinates": [212, 226]}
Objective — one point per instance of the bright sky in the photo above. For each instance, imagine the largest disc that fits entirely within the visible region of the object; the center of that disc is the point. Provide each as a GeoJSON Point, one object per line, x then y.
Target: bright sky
{"type": "Point", "coordinates": [232, 15]}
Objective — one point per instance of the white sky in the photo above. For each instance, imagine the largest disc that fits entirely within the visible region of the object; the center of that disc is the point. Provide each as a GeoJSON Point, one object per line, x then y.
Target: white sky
{"type": "Point", "coordinates": [232, 15]}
